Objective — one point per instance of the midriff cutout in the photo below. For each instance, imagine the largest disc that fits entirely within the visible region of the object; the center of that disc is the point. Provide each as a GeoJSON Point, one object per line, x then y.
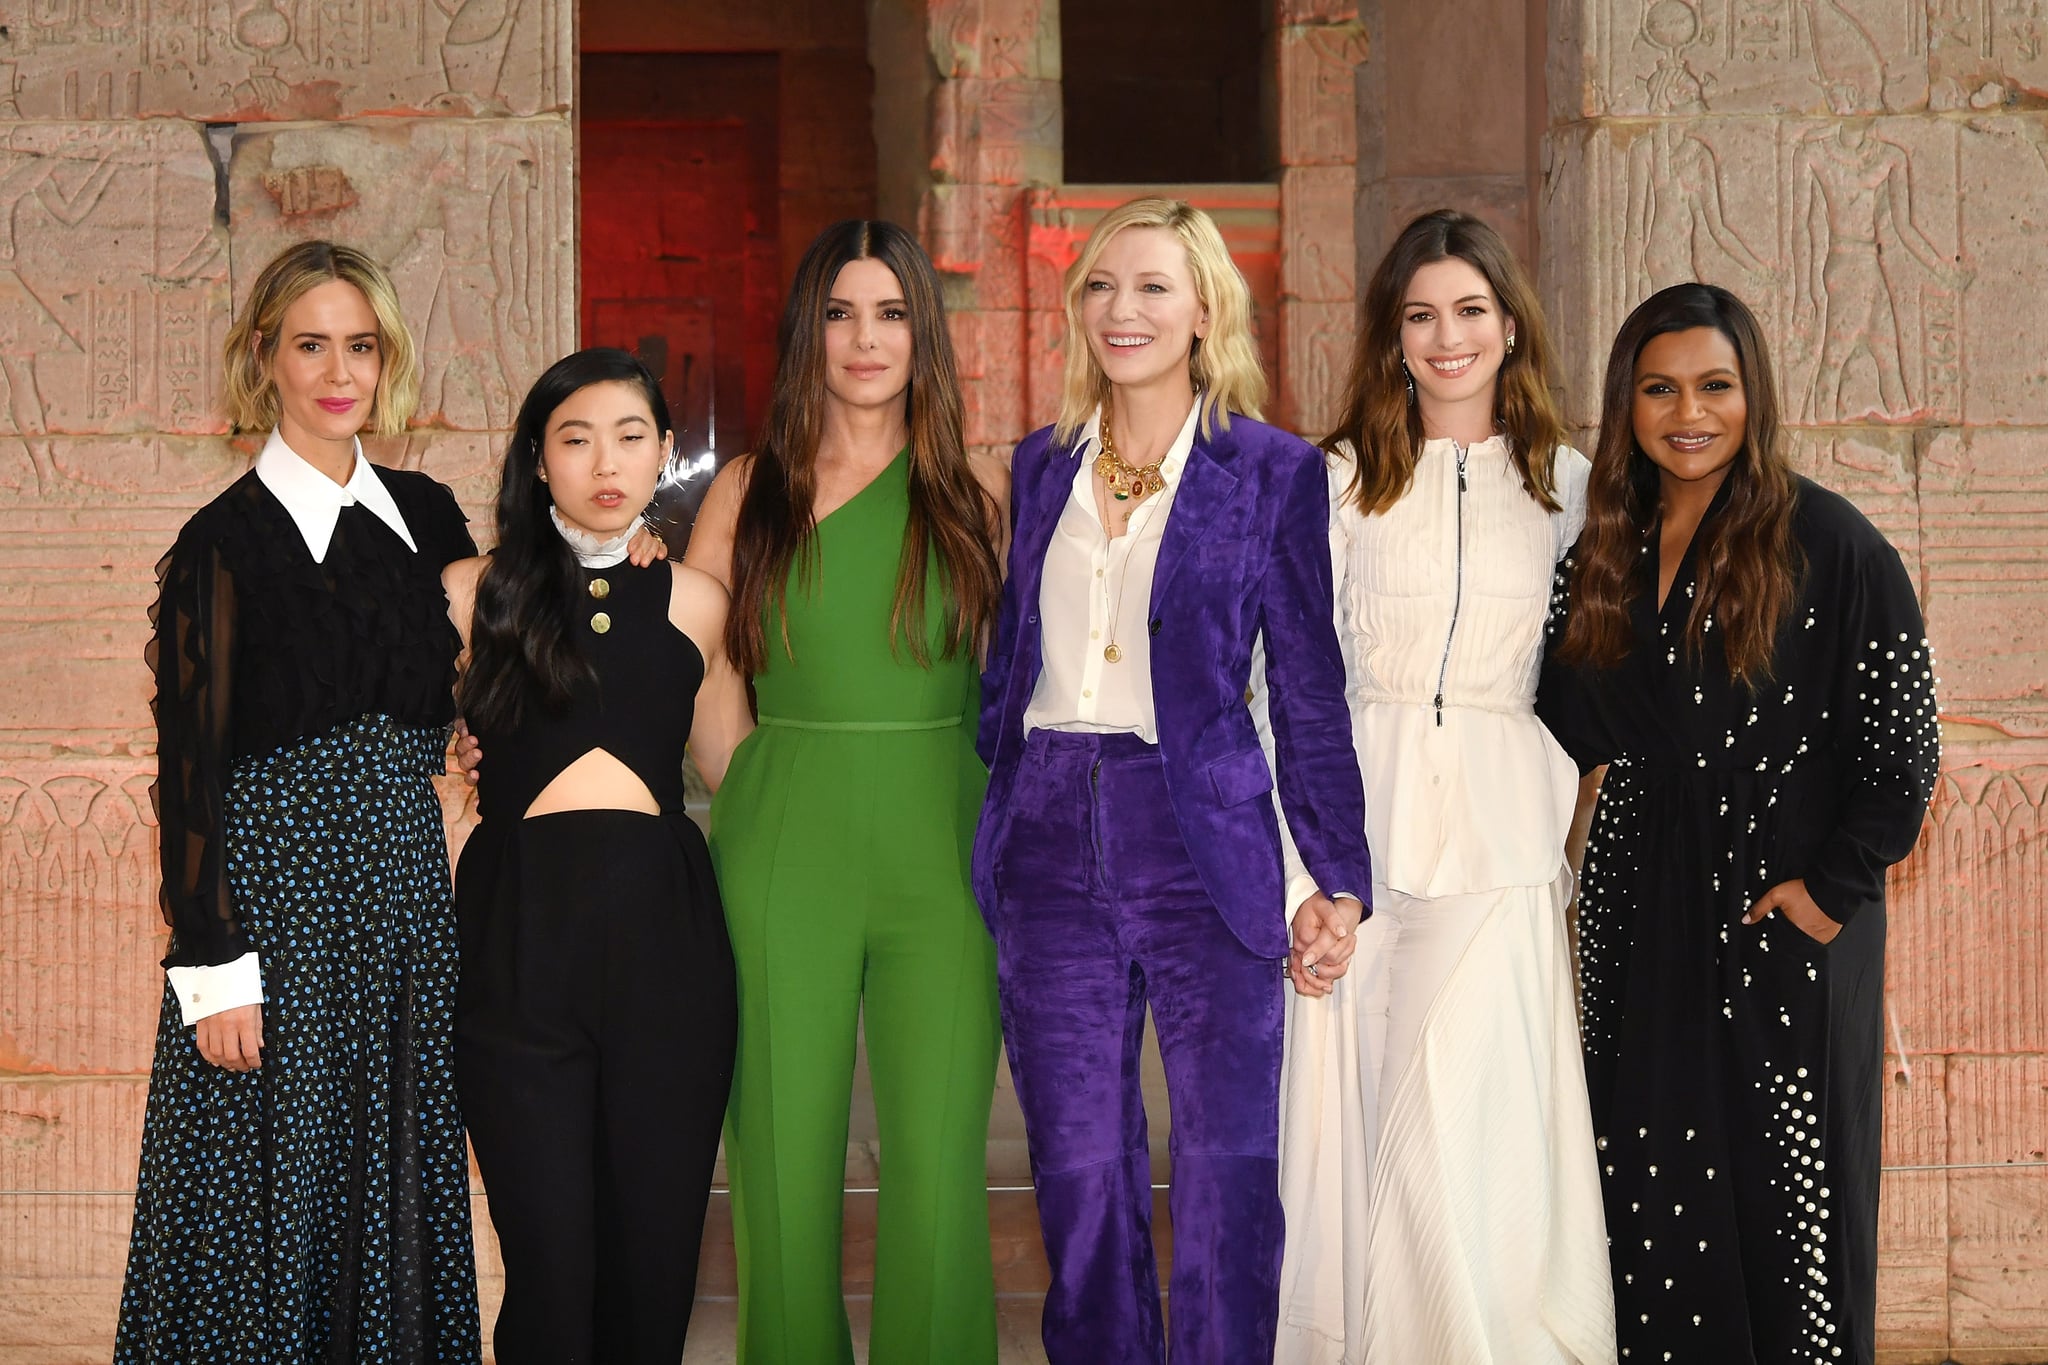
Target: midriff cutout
{"type": "Point", "coordinates": [595, 781]}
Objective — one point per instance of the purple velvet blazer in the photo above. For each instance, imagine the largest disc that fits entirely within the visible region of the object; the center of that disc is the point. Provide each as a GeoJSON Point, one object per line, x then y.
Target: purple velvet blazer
{"type": "Point", "coordinates": [1245, 551]}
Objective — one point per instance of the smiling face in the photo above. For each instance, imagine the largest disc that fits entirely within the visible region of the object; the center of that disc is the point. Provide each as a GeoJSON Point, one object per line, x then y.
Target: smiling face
{"type": "Point", "coordinates": [1690, 413]}
{"type": "Point", "coordinates": [1141, 309]}
{"type": "Point", "coordinates": [325, 368]}
{"type": "Point", "coordinates": [1454, 337]}
{"type": "Point", "coordinates": [868, 342]}
{"type": "Point", "coordinates": [601, 457]}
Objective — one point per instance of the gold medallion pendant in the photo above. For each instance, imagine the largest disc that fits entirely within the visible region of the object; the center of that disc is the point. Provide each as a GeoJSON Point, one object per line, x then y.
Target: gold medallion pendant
{"type": "Point", "coordinates": [1112, 653]}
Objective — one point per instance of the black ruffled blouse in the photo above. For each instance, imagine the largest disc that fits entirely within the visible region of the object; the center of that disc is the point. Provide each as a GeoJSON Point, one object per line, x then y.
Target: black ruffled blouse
{"type": "Point", "coordinates": [257, 647]}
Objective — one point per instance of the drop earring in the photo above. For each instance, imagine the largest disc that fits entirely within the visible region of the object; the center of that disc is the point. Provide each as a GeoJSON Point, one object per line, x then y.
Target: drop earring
{"type": "Point", "coordinates": [1410, 378]}
{"type": "Point", "coordinates": [1511, 343]}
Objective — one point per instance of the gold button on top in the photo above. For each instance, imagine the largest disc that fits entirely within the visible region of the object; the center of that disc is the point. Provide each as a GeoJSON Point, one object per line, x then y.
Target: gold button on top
{"type": "Point", "coordinates": [600, 623]}
{"type": "Point", "coordinates": [600, 588]}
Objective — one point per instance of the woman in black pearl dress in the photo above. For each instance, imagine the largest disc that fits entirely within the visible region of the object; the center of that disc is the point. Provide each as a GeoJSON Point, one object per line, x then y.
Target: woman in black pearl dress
{"type": "Point", "coordinates": [1745, 651]}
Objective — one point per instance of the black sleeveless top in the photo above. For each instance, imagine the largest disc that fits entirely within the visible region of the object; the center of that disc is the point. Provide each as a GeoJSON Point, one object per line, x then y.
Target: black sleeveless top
{"type": "Point", "coordinates": [638, 709]}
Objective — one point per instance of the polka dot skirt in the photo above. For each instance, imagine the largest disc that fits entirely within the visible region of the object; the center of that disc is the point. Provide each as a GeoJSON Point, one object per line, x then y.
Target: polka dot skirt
{"type": "Point", "coordinates": [317, 1209]}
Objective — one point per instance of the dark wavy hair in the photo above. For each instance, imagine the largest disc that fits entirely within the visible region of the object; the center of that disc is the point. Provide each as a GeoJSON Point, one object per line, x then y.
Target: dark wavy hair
{"type": "Point", "coordinates": [1748, 567]}
{"type": "Point", "coordinates": [522, 650]}
{"type": "Point", "coordinates": [1384, 428]}
{"type": "Point", "coordinates": [952, 517]}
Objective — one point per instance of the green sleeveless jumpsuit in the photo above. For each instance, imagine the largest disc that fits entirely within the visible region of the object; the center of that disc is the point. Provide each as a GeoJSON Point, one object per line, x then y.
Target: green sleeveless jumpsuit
{"type": "Point", "coordinates": [842, 836]}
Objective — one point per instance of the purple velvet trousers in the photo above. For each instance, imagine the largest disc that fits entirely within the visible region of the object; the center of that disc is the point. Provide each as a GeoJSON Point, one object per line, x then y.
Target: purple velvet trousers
{"type": "Point", "coordinates": [1100, 911]}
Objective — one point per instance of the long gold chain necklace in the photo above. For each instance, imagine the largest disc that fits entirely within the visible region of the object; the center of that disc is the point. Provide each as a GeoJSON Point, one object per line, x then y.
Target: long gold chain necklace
{"type": "Point", "coordinates": [1125, 481]}
{"type": "Point", "coordinates": [1140, 482]}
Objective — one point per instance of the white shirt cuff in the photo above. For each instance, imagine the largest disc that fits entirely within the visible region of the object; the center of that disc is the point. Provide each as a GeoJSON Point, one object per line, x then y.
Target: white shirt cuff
{"type": "Point", "coordinates": [209, 990]}
{"type": "Point", "coordinates": [1299, 888]}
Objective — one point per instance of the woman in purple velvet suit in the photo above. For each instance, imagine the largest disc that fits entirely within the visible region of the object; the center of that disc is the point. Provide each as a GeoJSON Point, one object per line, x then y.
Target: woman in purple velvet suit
{"type": "Point", "coordinates": [1129, 850]}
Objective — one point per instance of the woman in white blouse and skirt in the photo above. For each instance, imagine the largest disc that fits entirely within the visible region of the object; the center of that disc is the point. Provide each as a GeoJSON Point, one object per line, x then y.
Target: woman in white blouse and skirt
{"type": "Point", "coordinates": [1438, 1168]}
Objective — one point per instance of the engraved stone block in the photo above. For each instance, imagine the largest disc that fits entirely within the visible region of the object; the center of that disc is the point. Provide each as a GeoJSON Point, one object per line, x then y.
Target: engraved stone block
{"type": "Point", "coordinates": [1912, 1281]}
{"type": "Point", "coordinates": [2002, 188]}
{"type": "Point", "coordinates": [1317, 256]}
{"type": "Point", "coordinates": [1984, 865]}
{"type": "Point", "coordinates": [1318, 109]}
{"type": "Point", "coordinates": [72, 1134]}
{"type": "Point", "coordinates": [1998, 1294]}
{"type": "Point", "coordinates": [1741, 57]}
{"type": "Point", "coordinates": [226, 60]}
{"type": "Point", "coordinates": [1983, 508]}
{"type": "Point", "coordinates": [996, 132]}
{"type": "Point", "coordinates": [991, 380]}
{"type": "Point", "coordinates": [1315, 356]}
{"type": "Point", "coordinates": [80, 933]}
{"type": "Point", "coordinates": [1844, 237]}
{"type": "Point", "coordinates": [471, 219]}
{"type": "Point", "coordinates": [995, 39]}
{"type": "Point", "coordinates": [113, 282]}
{"type": "Point", "coordinates": [1315, 11]}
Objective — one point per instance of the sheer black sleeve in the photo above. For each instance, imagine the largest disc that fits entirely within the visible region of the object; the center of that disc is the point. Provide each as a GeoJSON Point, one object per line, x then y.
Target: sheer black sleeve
{"type": "Point", "coordinates": [1564, 698]}
{"type": "Point", "coordinates": [192, 655]}
{"type": "Point", "coordinates": [1888, 734]}
{"type": "Point", "coordinates": [449, 539]}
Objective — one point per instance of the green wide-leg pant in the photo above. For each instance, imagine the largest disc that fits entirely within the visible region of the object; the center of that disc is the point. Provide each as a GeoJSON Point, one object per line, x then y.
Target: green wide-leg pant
{"type": "Point", "coordinates": [847, 900]}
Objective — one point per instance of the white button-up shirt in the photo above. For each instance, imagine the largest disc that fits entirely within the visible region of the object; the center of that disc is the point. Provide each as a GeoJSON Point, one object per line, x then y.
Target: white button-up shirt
{"type": "Point", "coordinates": [1096, 592]}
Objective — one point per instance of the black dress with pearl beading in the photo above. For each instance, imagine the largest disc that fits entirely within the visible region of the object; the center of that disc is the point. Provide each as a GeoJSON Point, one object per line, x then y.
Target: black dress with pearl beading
{"type": "Point", "coordinates": [1734, 1069]}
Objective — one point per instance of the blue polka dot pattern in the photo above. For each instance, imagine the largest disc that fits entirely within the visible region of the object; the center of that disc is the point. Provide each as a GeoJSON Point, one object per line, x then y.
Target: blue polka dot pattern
{"type": "Point", "coordinates": [317, 1209]}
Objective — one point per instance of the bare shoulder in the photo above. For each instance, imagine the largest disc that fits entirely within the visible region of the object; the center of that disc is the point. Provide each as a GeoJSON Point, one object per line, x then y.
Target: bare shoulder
{"type": "Point", "coordinates": [696, 607]}
{"type": "Point", "coordinates": [460, 577]}
{"type": "Point", "coordinates": [729, 485]}
{"type": "Point", "coordinates": [992, 472]}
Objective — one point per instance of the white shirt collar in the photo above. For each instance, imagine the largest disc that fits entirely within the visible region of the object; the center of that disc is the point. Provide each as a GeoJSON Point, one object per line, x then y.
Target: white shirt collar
{"type": "Point", "coordinates": [315, 501]}
{"type": "Point", "coordinates": [1176, 454]}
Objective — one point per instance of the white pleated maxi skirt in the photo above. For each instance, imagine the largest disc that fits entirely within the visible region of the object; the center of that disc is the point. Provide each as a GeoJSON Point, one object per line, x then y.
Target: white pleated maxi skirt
{"type": "Point", "coordinates": [1437, 1163]}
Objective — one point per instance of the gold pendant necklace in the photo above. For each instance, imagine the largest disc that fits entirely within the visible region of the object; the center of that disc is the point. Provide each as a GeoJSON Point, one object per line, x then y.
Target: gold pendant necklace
{"type": "Point", "coordinates": [1125, 481]}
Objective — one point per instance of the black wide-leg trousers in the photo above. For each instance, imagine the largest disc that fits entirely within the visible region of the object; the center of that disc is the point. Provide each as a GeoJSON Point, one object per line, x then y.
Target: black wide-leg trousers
{"type": "Point", "coordinates": [595, 1029]}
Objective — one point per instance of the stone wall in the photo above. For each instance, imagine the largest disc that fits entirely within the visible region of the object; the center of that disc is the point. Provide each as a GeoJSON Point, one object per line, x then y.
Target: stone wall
{"type": "Point", "coordinates": [1872, 177]}
{"type": "Point", "coordinates": [152, 158]}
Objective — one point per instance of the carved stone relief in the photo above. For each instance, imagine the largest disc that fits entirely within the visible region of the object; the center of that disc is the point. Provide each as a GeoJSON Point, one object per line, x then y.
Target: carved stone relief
{"type": "Point", "coordinates": [473, 244]}
{"type": "Point", "coordinates": [1751, 56]}
{"type": "Point", "coordinates": [226, 60]}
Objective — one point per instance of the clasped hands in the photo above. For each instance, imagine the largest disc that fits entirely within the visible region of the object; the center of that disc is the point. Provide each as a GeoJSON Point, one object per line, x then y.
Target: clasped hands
{"type": "Point", "coordinates": [1325, 937]}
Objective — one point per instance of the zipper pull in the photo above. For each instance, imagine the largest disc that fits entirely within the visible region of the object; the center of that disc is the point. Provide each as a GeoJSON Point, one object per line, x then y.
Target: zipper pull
{"type": "Point", "coordinates": [1439, 703]}
{"type": "Point", "coordinates": [1461, 469]}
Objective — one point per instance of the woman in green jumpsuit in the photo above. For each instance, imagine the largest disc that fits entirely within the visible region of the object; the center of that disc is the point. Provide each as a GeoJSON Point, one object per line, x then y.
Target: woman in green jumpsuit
{"type": "Point", "coordinates": [843, 831]}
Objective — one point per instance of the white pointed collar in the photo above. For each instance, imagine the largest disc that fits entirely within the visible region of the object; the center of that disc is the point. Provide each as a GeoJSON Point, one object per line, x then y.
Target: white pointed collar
{"type": "Point", "coordinates": [315, 501]}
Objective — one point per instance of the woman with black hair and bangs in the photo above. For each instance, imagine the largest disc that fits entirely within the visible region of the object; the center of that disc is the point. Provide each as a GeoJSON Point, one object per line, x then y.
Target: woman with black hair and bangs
{"type": "Point", "coordinates": [1746, 653]}
{"type": "Point", "coordinates": [596, 1016]}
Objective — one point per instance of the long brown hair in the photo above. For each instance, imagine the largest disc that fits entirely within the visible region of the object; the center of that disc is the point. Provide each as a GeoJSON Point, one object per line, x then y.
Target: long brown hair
{"type": "Point", "coordinates": [1384, 427]}
{"type": "Point", "coordinates": [1748, 567]}
{"type": "Point", "coordinates": [950, 512]}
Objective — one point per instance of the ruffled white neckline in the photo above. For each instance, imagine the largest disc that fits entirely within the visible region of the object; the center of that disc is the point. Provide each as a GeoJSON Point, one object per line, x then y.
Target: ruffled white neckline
{"type": "Point", "coordinates": [591, 552]}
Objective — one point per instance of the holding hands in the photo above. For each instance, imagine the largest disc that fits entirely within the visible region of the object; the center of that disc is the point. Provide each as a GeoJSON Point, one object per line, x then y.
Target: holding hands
{"type": "Point", "coordinates": [1325, 936]}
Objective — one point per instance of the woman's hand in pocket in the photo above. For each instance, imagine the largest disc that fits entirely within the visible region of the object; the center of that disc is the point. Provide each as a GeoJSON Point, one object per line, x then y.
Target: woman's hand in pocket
{"type": "Point", "coordinates": [1793, 900]}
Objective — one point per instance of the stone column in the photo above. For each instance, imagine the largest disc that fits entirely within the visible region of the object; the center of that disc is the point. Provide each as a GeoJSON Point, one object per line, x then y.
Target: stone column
{"type": "Point", "coordinates": [1871, 177]}
{"type": "Point", "coordinates": [1317, 48]}
{"type": "Point", "coordinates": [995, 131]}
{"type": "Point", "coordinates": [152, 158]}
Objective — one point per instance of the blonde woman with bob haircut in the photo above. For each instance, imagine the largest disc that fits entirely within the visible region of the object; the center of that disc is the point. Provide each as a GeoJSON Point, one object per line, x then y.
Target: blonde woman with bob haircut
{"type": "Point", "coordinates": [1438, 1170]}
{"type": "Point", "coordinates": [303, 1193]}
{"type": "Point", "coordinates": [1128, 851]}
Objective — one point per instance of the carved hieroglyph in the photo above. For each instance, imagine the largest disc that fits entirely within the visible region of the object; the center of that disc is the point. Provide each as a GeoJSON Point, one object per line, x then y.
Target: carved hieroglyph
{"type": "Point", "coordinates": [113, 277]}
{"type": "Point", "coordinates": [1844, 235]}
{"type": "Point", "coordinates": [228, 60]}
{"type": "Point", "coordinates": [1746, 56]}
{"type": "Point", "coordinates": [467, 216]}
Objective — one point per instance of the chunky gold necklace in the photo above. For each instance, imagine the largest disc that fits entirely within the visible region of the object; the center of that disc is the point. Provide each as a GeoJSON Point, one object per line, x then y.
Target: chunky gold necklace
{"type": "Point", "coordinates": [1125, 481]}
